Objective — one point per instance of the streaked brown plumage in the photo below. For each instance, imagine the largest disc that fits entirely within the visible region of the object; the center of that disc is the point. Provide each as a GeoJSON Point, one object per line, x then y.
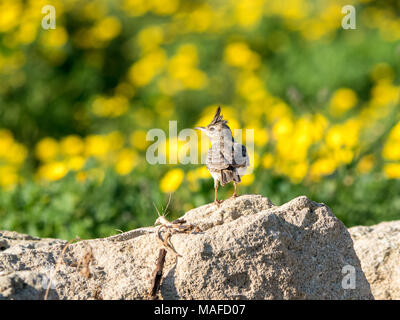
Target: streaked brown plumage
{"type": "Point", "coordinates": [226, 160]}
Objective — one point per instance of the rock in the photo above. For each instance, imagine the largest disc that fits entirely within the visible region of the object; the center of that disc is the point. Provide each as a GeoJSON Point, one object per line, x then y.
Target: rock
{"type": "Point", "coordinates": [378, 248]}
{"type": "Point", "coordinates": [247, 249]}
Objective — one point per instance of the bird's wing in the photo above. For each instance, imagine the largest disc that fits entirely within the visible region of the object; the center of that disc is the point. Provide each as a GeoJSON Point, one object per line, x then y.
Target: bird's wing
{"type": "Point", "coordinates": [240, 156]}
{"type": "Point", "coordinates": [215, 160]}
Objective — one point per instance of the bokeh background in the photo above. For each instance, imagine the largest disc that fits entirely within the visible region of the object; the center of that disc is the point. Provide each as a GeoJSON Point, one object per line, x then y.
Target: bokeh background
{"type": "Point", "coordinates": [76, 104]}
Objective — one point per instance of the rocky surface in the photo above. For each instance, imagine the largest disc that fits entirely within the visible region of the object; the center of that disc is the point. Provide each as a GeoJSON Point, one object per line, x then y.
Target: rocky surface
{"type": "Point", "coordinates": [378, 248]}
{"type": "Point", "coordinates": [247, 249]}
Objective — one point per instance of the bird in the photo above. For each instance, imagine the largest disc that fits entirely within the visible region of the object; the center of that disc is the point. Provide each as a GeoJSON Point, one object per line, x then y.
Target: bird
{"type": "Point", "coordinates": [227, 160]}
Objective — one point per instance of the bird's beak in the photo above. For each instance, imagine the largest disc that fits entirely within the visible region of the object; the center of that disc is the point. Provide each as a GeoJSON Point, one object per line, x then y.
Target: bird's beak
{"type": "Point", "coordinates": [201, 128]}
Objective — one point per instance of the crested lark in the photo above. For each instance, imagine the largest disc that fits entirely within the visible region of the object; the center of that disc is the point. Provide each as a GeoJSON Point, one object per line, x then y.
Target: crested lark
{"type": "Point", "coordinates": [226, 160]}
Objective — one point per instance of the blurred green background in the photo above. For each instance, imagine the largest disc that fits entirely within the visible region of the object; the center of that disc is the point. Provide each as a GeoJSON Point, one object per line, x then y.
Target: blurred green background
{"type": "Point", "coordinates": [76, 103]}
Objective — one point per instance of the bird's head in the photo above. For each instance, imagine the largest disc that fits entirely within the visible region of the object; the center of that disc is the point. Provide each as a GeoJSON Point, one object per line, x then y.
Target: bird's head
{"type": "Point", "coordinates": [217, 127]}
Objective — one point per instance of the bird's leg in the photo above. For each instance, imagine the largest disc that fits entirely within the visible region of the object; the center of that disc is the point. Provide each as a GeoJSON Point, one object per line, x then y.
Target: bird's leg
{"type": "Point", "coordinates": [235, 195]}
{"type": "Point", "coordinates": [217, 202]}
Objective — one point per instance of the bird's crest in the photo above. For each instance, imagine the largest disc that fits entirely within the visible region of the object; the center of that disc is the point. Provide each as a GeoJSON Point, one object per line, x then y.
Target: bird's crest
{"type": "Point", "coordinates": [218, 118]}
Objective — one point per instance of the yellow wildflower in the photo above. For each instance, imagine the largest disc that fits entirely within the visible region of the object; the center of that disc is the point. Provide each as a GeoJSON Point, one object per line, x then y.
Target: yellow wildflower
{"type": "Point", "coordinates": [322, 167]}
{"type": "Point", "coordinates": [96, 145]}
{"type": "Point", "coordinates": [8, 176]}
{"type": "Point", "coordinates": [298, 172]}
{"type": "Point", "coordinates": [107, 29]}
{"type": "Point", "coordinates": [247, 179]}
{"type": "Point", "coordinates": [283, 128]}
{"type": "Point", "coordinates": [249, 12]}
{"type": "Point", "coordinates": [171, 180]}
{"type": "Point", "coordinates": [54, 37]}
{"type": "Point", "coordinates": [71, 145]}
{"type": "Point", "coordinates": [382, 71]}
{"type": "Point", "coordinates": [342, 100]}
{"type": "Point", "coordinates": [267, 161]}
{"type": "Point", "coordinates": [47, 149]}
{"type": "Point", "coordinates": [203, 172]}
{"type": "Point", "coordinates": [138, 139]}
{"type": "Point", "coordinates": [392, 170]}
{"type": "Point", "coordinates": [366, 163]}
{"type": "Point", "coordinates": [162, 7]}
{"type": "Point", "coordinates": [150, 38]}
{"type": "Point", "coordinates": [238, 54]}
{"type": "Point", "coordinates": [126, 161]}
{"type": "Point", "coordinates": [53, 171]}
{"type": "Point", "coordinates": [81, 176]}
{"type": "Point", "coordinates": [261, 137]}
{"type": "Point", "coordinates": [391, 150]}
{"type": "Point", "coordinates": [145, 69]}
{"type": "Point", "coordinates": [75, 163]}
{"type": "Point", "coordinates": [116, 140]}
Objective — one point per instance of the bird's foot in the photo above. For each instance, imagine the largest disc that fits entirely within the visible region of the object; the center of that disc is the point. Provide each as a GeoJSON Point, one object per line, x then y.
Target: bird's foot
{"type": "Point", "coordinates": [235, 195]}
{"type": "Point", "coordinates": [218, 202]}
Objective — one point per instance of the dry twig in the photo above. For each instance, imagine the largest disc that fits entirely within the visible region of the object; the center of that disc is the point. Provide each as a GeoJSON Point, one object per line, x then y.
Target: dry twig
{"type": "Point", "coordinates": [168, 228]}
{"type": "Point", "coordinates": [157, 275]}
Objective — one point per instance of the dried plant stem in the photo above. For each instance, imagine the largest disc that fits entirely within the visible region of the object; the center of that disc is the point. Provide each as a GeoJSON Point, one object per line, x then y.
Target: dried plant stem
{"type": "Point", "coordinates": [157, 275]}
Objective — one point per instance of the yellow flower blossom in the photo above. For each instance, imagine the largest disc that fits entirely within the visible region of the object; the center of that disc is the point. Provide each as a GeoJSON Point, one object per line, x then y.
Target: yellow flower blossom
{"type": "Point", "coordinates": [150, 38]}
{"type": "Point", "coordinates": [283, 128]}
{"type": "Point", "coordinates": [278, 110]}
{"type": "Point", "coordinates": [9, 14]}
{"type": "Point", "coordinates": [391, 150]}
{"type": "Point", "coordinates": [138, 139]}
{"type": "Point", "coordinates": [27, 32]}
{"type": "Point", "coordinates": [384, 93]}
{"type": "Point", "coordinates": [251, 87]}
{"type": "Point", "coordinates": [171, 180]}
{"type": "Point", "coordinates": [322, 167]}
{"type": "Point", "coordinates": [8, 176]}
{"type": "Point", "coordinates": [247, 179]}
{"type": "Point", "coordinates": [107, 29]}
{"type": "Point", "coordinates": [53, 171]}
{"type": "Point", "coordinates": [126, 161]}
{"type": "Point", "coordinates": [54, 37]}
{"type": "Point", "coordinates": [344, 135]}
{"type": "Point", "coordinates": [249, 12]}
{"type": "Point", "coordinates": [96, 145]}
{"type": "Point", "coordinates": [203, 172]}
{"type": "Point", "coordinates": [267, 160]}
{"type": "Point", "coordinates": [71, 145]}
{"type": "Point", "coordinates": [342, 100]}
{"type": "Point", "coordinates": [81, 176]}
{"type": "Point", "coordinates": [136, 7]}
{"type": "Point", "coordinates": [298, 172]}
{"type": "Point", "coordinates": [238, 54]}
{"type": "Point", "coordinates": [145, 69]}
{"type": "Point", "coordinates": [182, 66]}
{"type": "Point", "coordinates": [94, 10]}
{"type": "Point", "coordinates": [382, 71]}
{"type": "Point", "coordinates": [392, 170]}
{"type": "Point", "coordinates": [261, 137]}
{"type": "Point", "coordinates": [201, 19]}
{"type": "Point", "coordinates": [162, 7]}
{"type": "Point", "coordinates": [47, 149]}
{"type": "Point", "coordinates": [366, 164]}
{"type": "Point", "coordinates": [116, 140]}
{"type": "Point", "coordinates": [110, 107]}
{"type": "Point", "coordinates": [75, 163]}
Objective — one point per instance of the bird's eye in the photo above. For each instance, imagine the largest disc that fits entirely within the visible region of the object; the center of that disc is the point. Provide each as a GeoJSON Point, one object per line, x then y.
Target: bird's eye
{"type": "Point", "coordinates": [212, 129]}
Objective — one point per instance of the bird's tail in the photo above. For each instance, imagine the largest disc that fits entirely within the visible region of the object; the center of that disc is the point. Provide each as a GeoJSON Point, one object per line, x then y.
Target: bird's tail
{"type": "Point", "coordinates": [228, 175]}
